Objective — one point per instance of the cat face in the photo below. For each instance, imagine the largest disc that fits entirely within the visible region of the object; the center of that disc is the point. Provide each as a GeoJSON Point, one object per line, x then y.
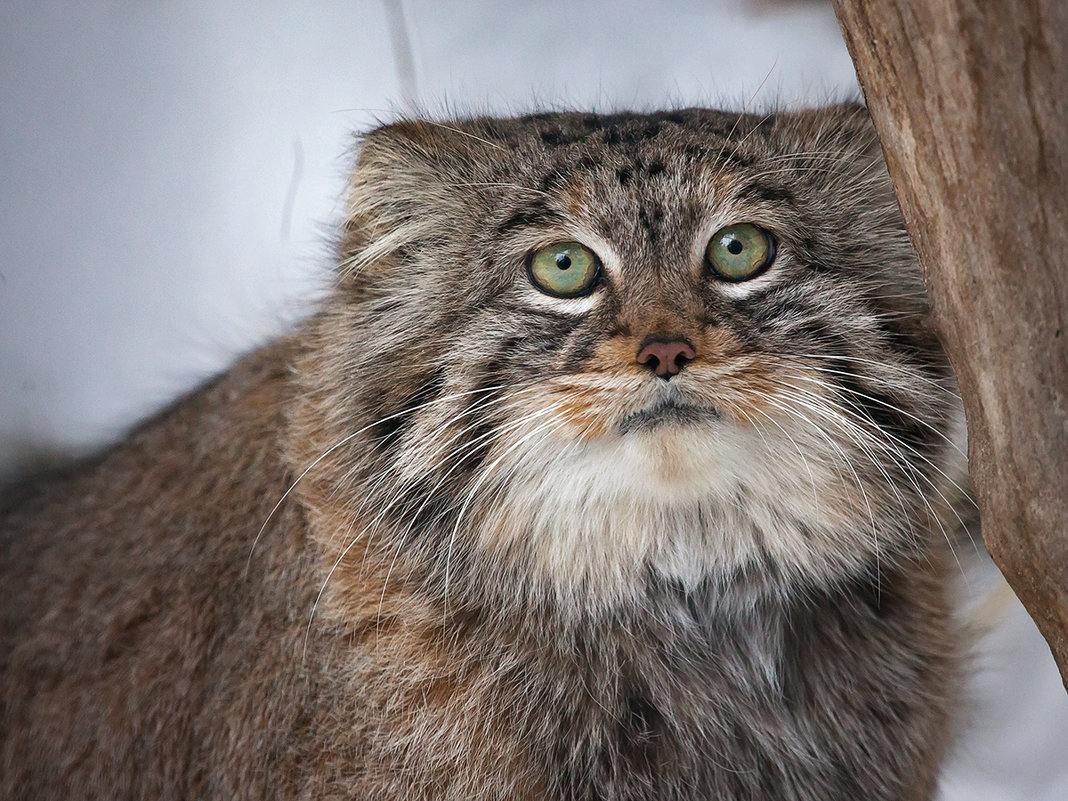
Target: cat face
{"type": "Point", "coordinates": [605, 347]}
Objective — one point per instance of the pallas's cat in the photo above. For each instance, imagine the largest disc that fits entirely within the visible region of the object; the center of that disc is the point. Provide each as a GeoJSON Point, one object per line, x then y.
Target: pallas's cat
{"type": "Point", "coordinates": [619, 464]}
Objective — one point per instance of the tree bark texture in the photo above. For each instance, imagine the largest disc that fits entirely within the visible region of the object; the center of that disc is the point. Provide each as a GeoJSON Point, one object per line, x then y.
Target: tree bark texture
{"type": "Point", "coordinates": [970, 100]}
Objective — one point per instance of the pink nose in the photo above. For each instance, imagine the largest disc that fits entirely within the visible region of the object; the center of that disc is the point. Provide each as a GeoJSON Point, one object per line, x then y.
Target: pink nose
{"type": "Point", "coordinates": [666, 357]}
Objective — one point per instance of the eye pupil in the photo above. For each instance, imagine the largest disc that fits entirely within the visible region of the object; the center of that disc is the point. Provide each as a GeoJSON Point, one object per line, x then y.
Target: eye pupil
{"type": "Point", "coordinates": [563, 261]}
{"type": "Point", "coordinates": [735, 247]}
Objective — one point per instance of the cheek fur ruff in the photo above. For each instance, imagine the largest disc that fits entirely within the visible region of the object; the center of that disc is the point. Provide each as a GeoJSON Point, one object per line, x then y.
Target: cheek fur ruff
{"type": "Point", "coordinates": [595, 514]}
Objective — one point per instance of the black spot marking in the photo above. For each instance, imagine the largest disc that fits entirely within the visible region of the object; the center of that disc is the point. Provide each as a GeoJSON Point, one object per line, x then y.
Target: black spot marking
{"type": "Point", "coordinates": [507, 345]}
{"type": "Point", "coordinates": [554, 179]}
{"type": "Point", "coordinates": [624, 175]}
{"type": "Point", "coordinates": [642, 720]}
{"type": "Point", "coordinates": [655, 169]}
{"type": "Point", "coordinates": [631, 132]}
{"type": "Point", "coordinates": [555, 137]}
{"type": "Point", "coordinates": [650, 220]}
{"type": "Point", "coordinates": [735, 159]}
{"type": "Point", "coordinates": [697, 153]}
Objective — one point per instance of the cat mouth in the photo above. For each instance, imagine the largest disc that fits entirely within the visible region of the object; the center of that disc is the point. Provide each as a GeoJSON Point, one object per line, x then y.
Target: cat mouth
{"type": "Point", "coordinates": [668, 411]}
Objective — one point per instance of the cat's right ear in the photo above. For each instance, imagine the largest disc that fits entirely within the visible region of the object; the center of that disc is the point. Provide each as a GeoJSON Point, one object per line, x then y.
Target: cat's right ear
{"type": "Point", "coordinates": [404, 189]}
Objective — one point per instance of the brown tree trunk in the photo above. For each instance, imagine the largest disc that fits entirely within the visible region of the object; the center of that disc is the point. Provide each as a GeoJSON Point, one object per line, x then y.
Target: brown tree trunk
{"type": "Point", "coordinates": [970, 99]}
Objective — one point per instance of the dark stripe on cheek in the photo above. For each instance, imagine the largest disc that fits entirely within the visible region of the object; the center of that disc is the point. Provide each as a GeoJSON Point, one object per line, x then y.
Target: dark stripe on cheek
{"type": "Point", "coordinates": [824, 339]}
{"type": "Point", "coordinates": [422, 507]}
{"type": "Point", "coordinates": [476, 446]}
{"type": "Point", "coordinates": [580, 349]}
{"type": "Point", "coordinates": [388, 431]}
{"type": "Point", "coordinates": [482, 413]}
{"type": "Point", "coordinates": [817, 267]}
{"type": "Point", "coordinates": [919, 343]}
{"type": "Point", "coordinates": [879, 594]}
{"type": "Point", "coordinates": [881, 409]}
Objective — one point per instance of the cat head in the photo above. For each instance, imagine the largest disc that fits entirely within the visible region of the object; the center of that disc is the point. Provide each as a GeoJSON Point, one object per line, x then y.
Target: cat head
{"type": "Point", "coordinates": [611, 349]}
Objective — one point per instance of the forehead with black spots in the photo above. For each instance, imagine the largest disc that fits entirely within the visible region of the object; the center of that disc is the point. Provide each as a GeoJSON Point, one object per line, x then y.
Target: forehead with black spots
{"type": "Point", "coordinates": [646, 192]}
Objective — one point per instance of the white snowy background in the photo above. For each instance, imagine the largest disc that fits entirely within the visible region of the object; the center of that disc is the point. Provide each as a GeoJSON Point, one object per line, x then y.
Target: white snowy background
{"type": "Point", "coordinates": [170, 174]}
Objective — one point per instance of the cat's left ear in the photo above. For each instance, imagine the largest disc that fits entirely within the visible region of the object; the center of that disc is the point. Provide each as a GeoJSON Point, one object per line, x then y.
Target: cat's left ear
{"type": "Point", "coordinates": [845, 128]}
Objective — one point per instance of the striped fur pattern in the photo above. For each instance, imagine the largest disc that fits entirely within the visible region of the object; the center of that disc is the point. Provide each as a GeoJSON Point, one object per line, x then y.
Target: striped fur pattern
{"type": "Point", "coordinates": [524, 566]}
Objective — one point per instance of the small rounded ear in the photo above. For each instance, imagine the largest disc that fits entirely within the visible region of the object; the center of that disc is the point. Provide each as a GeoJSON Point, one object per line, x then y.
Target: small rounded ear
{"type": "Point", "coordinates": [414, 145]}
{"type": "Point", "coordinates": [403, 188]}
{"type": "Point", "coordinates": [845, 130]}
{"type": "Point", "coordinates": [847, 125]}
{"type": "Point", "coordinates": [857, 124]}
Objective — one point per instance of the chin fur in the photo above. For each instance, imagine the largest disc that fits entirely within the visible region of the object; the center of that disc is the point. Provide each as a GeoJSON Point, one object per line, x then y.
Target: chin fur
{"type": "Point", "coordinates": [684, 503]}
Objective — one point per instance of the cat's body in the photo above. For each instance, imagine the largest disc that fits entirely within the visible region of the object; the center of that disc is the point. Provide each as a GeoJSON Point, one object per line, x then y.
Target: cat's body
{"type": "Point", "coordinates": [515, 562]}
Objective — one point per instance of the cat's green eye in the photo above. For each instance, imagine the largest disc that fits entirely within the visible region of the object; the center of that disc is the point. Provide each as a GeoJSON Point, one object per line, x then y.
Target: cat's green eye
{"type": "Point", "coordinates": [739, 252]}
{"type": "Point", "coordinates": [564, 269]}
